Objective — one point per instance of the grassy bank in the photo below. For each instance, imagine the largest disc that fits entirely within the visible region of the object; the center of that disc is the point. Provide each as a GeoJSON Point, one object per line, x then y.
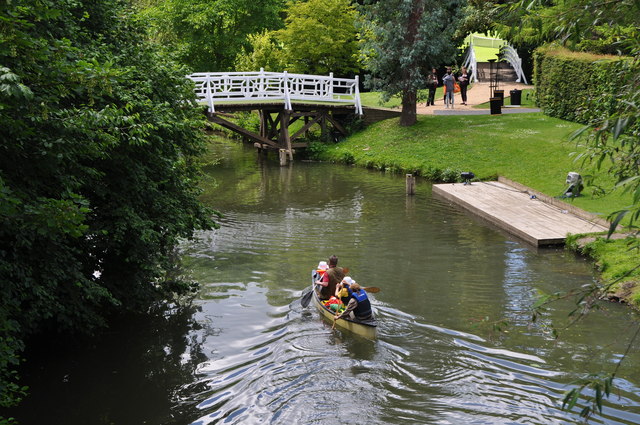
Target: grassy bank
{"type": "Point", "coordinates": [532, 149]}
{"type": "Point", "coordinates": [529, 148]}
{"type": "Point", "coordinates": [617, 263]}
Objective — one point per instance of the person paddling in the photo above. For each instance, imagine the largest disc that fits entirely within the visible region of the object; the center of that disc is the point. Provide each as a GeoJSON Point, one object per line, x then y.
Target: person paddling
{"type": "Point", "coordinates": [359, 304]}
{"type": "Point", "coordinates": [330, 279]}
{"type": "Point", "coordinates": [342, 290]}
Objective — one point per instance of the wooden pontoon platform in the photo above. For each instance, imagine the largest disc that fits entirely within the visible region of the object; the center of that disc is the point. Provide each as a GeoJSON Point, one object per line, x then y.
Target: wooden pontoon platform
{"type": "Point", "coordinates": [533, 217]}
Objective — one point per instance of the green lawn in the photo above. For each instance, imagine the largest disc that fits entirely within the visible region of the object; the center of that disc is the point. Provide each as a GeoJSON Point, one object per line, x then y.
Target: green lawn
{"type": "Point", "coordinates": [374, 98]}
{"type": "Point", "coordinates": [529, 148]}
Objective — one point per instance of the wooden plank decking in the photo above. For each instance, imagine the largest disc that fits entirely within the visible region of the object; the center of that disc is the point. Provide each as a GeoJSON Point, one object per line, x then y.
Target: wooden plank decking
{"type": "Point", "coordinates": [512, 209]}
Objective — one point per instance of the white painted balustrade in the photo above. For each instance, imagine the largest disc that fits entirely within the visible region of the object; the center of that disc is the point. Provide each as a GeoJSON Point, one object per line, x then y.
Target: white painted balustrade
{"type": "Point", "coordinates": [263, 86]}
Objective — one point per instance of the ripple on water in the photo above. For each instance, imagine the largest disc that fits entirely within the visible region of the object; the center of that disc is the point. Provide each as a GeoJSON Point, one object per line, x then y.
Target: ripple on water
{"type": "Point", "coordinates": [297, 370]}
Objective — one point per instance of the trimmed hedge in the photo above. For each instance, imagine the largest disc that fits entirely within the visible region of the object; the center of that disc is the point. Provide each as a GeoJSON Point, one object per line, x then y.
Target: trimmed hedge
{"type": "Point", "coordinates": [575, 86]}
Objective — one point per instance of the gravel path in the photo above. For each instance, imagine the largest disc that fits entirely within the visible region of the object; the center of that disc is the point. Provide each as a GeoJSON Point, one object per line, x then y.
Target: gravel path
{"type": "Point", "coordinates": [477, 94]}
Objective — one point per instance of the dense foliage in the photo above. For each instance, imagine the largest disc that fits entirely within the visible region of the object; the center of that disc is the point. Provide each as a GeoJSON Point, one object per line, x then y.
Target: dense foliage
{"type": "Point", "coordinates": [98, 143]}
{"type": "Point", "coordinates": [319, 37]}
{"type": "Point", "coordinates": [578, 87]}
{"type": "Point", "coordinates": [406, 39]}
{"type": "Point", "coordinates": [611, 141]}
{"type": "Point", "coordinates": [207, 35]}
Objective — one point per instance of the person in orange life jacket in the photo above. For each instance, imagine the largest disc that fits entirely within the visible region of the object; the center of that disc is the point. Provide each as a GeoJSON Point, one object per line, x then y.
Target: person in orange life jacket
{"type": "Point", "coordinates": [342, 289]}
{"type": "Point", "coordinates": [358, 304]}
{"type": "Point", "coordinates": [330, 279]}
{"type": "Point", "coordinates": [320, 270]}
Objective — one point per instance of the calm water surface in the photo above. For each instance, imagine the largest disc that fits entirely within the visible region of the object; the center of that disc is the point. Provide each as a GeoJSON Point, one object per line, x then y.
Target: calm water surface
{"type": "Point", "coordinates": [247, 352]}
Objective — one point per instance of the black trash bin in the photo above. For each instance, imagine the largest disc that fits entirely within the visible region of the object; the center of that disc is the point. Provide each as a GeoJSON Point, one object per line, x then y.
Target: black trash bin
{"type": "Point", "coordinates": [500, 94]}
{"type": "Point", "coordinates": [516, 97]}
{"type": "Point", "coordinates": [496, 105]}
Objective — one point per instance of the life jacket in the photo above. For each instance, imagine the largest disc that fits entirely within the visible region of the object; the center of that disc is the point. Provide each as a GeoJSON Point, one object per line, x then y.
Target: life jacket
{"type": "Point", "coordinates": [318, 274]}
{"type": "Point", "coordinates": [363, 310]}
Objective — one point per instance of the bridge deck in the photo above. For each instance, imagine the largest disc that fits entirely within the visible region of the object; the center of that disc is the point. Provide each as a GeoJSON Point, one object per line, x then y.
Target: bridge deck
{"type": "Point", "coordinates": [513, 210]}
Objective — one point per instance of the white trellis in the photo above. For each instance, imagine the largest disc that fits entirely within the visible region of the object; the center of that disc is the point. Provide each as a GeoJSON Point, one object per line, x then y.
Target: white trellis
{"type": "Point", "coordinates": [511, 55]}
{"type": "Point", "coordinates": [471, 64]}
{"type": "Point", "coordinates": [508, 53]}
{"type": "Point", "coordinates": [214, 87]}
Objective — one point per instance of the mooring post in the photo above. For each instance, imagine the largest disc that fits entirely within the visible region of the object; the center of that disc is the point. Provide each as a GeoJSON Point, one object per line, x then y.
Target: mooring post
{"type": "Point", "coordinates": [283, 157]}
{"type": "Point", "coordinates": [411, 184]}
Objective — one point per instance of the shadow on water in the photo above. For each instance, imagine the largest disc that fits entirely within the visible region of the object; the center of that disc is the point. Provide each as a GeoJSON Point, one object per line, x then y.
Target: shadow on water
{"type": "Point", "coordinates": [126, 375]}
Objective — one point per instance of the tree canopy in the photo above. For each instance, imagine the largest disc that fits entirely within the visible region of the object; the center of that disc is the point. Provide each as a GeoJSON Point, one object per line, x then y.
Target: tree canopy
{"type": "Point", "coordinates": [208, 34]}
{"type": "Point", "coordinates": [406, 39]}
{"type": "Point", "coordinates": [319, 37]}
{"type": "Point", "coordinates": [99, 138]}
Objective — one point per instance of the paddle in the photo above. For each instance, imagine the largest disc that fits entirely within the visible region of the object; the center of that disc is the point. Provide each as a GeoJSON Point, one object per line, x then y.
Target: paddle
{"type": "Point", "coordinates": [372, 289]}
{"type": "Point", "coordinates": [306, 298]}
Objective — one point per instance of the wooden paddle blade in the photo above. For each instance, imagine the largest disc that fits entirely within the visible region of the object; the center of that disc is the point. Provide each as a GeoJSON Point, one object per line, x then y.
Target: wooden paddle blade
{"type": "Point", "coordinates": [306, 298]}
{"type": "Point", "coordinates": [372, 289]}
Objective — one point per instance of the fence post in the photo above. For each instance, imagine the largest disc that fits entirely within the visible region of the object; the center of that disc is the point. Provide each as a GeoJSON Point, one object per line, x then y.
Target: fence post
{"type": "Point", "coordinates": [410, 184]}
{"type": "Point", "coordinates": [287, 99]}
{"type": "Point", "coordinates": [209, 95]}
{"type": "Point", "coordinates": [357, 102]}
{"type": "Point", "coordinates": [261, 83]}
{"type": "Point", "coordinates": [330, 93]}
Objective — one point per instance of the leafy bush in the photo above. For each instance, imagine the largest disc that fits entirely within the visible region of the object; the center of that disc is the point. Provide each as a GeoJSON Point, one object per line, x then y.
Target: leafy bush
{"type": "Point", "coordinates": [99, 139]}
{"type": "Point", "coordinates": [579, 87]}
{"type": "Point", "coordinates": [249, 121]}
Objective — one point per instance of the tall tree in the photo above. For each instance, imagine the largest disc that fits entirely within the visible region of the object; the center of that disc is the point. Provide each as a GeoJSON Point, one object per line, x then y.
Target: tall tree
{"type": "Point", "coordinates": [208, 34]}
{"type": "Point", "coordinates": [408, 37]}
{"type": "Point", "coordinates": [320, 36]}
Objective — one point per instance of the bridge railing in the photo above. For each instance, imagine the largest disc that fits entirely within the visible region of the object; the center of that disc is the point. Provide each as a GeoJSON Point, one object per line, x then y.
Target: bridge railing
{"type": "Point", "coordinates": [214, 87]}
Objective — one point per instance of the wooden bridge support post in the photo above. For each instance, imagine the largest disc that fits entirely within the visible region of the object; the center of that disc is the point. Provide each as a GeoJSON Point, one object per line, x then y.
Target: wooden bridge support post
{"type": "Point", "coordinates": [285, 137]}
{"type": "Point", "coordinates": [283, 157]}
{"type": "Point", "coordinates": [410, 184]}
{"type": "Point", "coordinates": [263, 123]}
{"type": "Point", "coordinates": [324, 134]}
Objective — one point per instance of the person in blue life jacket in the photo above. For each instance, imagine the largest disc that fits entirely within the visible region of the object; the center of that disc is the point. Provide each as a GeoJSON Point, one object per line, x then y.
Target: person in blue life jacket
{"type": "Point", "coordinates": [359, 305]}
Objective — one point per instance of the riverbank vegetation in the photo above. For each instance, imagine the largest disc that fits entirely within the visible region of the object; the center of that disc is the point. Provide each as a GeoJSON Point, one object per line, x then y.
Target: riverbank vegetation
{"type": "Point", "coordinates": [533, 149]}
{"type": "Point", "coordinates": [99, 139]}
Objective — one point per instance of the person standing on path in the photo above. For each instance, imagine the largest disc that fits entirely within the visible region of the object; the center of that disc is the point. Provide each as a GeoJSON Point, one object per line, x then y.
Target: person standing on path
{"type": "Point", "coordinates": [463, 81]}
{"type": "Point", "coordinates": [432, 85]}
{"type": "Point", "coordinates": [448, 81]}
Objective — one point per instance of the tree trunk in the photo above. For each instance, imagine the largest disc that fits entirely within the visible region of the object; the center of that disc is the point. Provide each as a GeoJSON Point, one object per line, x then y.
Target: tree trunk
{"type": "Point", "coordinates": [408, 115]}
{"type": "Point", "coordinates": [410, 93]}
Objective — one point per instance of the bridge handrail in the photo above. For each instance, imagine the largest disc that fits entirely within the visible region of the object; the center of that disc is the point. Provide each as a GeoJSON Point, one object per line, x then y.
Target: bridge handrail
{"type": "Point", "coordinates": [261, 85]}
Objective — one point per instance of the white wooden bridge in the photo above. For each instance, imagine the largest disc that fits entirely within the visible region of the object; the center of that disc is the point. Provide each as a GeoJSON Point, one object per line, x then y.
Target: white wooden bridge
{"type": "Point", "coordinates": [281, 99]}
{"type": "Point", "coordinates": [217, 88]}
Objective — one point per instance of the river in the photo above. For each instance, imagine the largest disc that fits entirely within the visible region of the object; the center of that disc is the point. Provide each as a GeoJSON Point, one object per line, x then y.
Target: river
{"type": "Point", "coordinates": [455, 341]}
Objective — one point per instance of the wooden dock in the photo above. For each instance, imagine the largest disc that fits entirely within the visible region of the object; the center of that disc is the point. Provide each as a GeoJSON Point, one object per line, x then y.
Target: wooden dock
{"type": "Point", "coordinates": [531, 216]}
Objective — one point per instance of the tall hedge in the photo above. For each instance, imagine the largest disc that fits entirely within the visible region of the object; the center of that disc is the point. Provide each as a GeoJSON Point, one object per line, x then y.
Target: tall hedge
{"type": "Point", "coordinates": [577, 86]}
